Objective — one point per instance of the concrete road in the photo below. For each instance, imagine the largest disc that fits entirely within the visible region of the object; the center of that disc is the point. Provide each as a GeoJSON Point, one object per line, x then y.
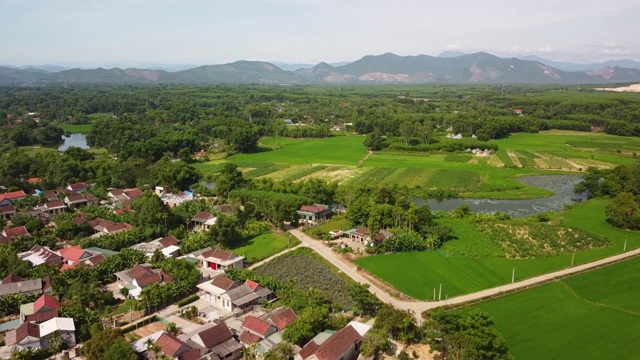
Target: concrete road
{"type": "Point", "coordinates": [420, 306]}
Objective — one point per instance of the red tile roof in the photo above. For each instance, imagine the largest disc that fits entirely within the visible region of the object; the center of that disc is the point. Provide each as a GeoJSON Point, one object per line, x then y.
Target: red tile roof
{"type": "Point", "coordinates": [216, 335]}
{"type": "Point", "coordinates": [202, 216]}
{"type": "Point", "coordinates": [193, 354]}
{"type": "Point", "coordinates": [308, 349]}
{"type": "Point", "coordinates": [13, 195]}
{"type": "Point", "coordinates": [34, 180]}
{"type": "Point", "coordinates": [7, 209]}
{"type": "Point", "coordinates": [15, 231]}
{"type": "Point", "coordinates": [4, 240]}
{"type": "Point", "coordinates": [223, 282]}
{"type": "Point", "coordinates": [171, 345]}
{"type": "Point", "coordinates": [139, 270]}
{"type": "Point", "coordinates": [168, 241]}
{"type": "Point", "coordinates": [27, 329]}
{"type": "Point", "coordinates": [45, 301]}
{"type": "Point", "coordinates": [218, 254]}
{"type": "Point", "coordinates": [249, 338]}
{"type": "Point", "coordinates": [75, 198]}
{"type": "Point", "coordinates": [54, 204]}
{"type": "Point", "coordinates": [256, 325]}
{"type": "Point", "coordinates": [73, 253]}
{"type": "Point", "coordinates": [78, 186]}
{"type": "Point", "coordinates": [284, 318]}
{"type": "Point", "coordinates": [252, 284]}
{"type": "Point", "coordinates": [11, 278]}
{"type": "Point", "coordinates": [338, 344]}
{"type": "Point", "coordinates": [313, 208]}
{"type": "Point", "coordinates": [134, 193]}
{"type": "Point", "coordinates": [116, 192]}
{"type": "Point", "coordinates": [363, 231]}
{"type": "Point", "coordinates": [41, 317]}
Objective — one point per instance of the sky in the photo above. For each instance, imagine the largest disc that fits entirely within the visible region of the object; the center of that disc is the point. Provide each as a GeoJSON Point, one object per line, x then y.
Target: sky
{"type": "Point", "coordinates": [91, 33]}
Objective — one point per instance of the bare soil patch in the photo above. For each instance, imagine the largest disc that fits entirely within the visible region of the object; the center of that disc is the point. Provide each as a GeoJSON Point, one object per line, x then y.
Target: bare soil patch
{"type": "Point", "coordinates": [149, 329]}
{"type": "Point", "coordinates": [514, 158]}
{"type": "Point", "coordinates": [630, 88]}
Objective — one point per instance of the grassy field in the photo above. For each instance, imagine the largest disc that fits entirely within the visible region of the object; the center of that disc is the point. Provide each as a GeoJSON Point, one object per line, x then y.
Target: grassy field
{"type": "Point", "coordinates": [466, 274]}
{"type": "Point", "coordinates": [76, 129]}
{"type": "Point", "coordinates": [342, 159]}
{"type": "Point", "coordinates": [263, 246]}
{"type": "Point", "coordinates": [594, 315]}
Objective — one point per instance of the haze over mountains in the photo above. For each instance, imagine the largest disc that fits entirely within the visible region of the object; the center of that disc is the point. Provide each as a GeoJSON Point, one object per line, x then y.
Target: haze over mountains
{"type": "Point", "coordinates": [449, 67]}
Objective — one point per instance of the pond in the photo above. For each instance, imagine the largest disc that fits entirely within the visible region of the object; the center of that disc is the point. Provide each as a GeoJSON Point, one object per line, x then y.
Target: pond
{"type": "Point", "coordinates": [77, 140]}
{"type": "Point", "coordinates": [561, 185]}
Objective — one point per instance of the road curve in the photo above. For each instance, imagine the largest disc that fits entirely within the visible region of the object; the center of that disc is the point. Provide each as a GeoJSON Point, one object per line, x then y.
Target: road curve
{"type": "Point", "coordinates": [420, 306]}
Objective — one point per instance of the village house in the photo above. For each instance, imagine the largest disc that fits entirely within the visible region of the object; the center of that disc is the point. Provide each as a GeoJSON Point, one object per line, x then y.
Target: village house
{"type": "Point", "coordinates": [224, 209]}
{"type": "Point", "coordinates": [219, 342]}
{"type": "Point", "coordinates": [39, 255]}
{"type": "Point", "coordinates": [173, 200]}
{"type": "Point", "coordinates": [139, 277]}
{"type": "Point", "coordinates": [343, 345]}
{"type": "Point", "coordinates": [51, 208]}
{"type": "Point", "coordinates": [168, 246]}
{"type": "Point", "coordinates": [50, 195]}
{"type": "Point", "coordinates": [218, 259]}
{"type": "Point", "coordinates": [76, 201]}
{"type": "Point", "coordinates": [123, 198]}
{"type": "Point", "coordinates": [228, 295]}
{"type": "Point", "coordinates": [203, 221]}
{"type": "Point", "coordinates": [10, 286]}
{"type": "Point", "coordinates": [43, 309]}
{"type": "Point", "coordinates": [281, 317]}
{"type": "Point", "coordinates": [174, 348]}
{"type": "Point", "coordinates": [255, 330]}
{"type": "Point", "coordinates": [7, 212]}
{"type": "Point", "coordinates": [102, 226]}
{"type": "Point", "coordinates": [314, 213]}
{"type": "Point", "coordinates": [360, 235]}
{"type": "Point", "coordinates": [77, 187]}
{"type": "Point", "coordinates": [31, 335]}
{"type": "Point", "coordinates": [7, 198]}
{"type": "Point", "coordinates": [75, 255]}
{"type": "Point", "coordinates": [12, 232]}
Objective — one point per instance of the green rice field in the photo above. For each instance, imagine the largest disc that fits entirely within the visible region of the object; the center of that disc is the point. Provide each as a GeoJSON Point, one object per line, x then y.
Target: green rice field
{"type": "Point", "coordinates": [594, 315]}
{"type": "Point", "coordinates": [473, 265]}
{"type": "Point", "coordinates": [344, 159]}
{"type": "Point", "coordinates": [263, 246]}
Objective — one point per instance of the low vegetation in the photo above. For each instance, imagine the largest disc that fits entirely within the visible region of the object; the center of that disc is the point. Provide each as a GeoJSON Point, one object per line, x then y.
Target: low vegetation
{"type": "Point", "coordinates": [307, 271]}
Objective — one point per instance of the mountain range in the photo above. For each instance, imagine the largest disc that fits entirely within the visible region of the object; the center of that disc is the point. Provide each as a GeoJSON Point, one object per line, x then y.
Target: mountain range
{"type": "Point", "coordinates": [450, 67]}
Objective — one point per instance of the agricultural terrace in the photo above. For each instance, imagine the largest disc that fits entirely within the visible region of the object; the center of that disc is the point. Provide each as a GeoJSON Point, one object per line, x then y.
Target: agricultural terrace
{"type": "Point", "coordinates": [309, 270]}
{"type": "Point", "coordinates": [594, 315]}
{"type": "Point", "coordinates": [345, 159]}
{"type": "Point", "coordinates": [474, 261]}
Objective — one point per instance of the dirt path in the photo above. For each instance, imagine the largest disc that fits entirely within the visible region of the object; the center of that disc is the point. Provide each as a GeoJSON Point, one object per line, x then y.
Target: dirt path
{"type": "Point", "coordinates": [369, 153]}
{"type": "Point", "coordinates": [420, 306]}
{"type": "Point", "coordinates": [514, 159]}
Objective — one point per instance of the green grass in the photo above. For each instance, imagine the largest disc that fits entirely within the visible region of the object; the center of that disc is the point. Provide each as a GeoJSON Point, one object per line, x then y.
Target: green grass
{"type": "Point", "coordinates": [304, 172]}
{"type": "Point", "coordinates": [469, 241]}
{"type": "Point", "coordinates": [77, 129]}
{"type": "Point", "coordinates": [461, 275]}
{"type": "Point", "coordinates": [263, 246]}
{"type": "Point", "coordinates": [340, 150]}
{"type": "Point", "coordinates": [594, 315]}
{"type": "Point", "coordinates": [123, 308]}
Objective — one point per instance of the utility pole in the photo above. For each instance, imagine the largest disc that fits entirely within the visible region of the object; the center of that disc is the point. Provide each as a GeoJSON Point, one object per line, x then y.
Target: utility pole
{"type": "Point", "coordinates": [434, 294]}
{"type": "Point", "coordinates": [624, 249]}
{"type": "Point", "coordinates": [440, 293]}
{"type": "Point", "coordinates": [513, 276]}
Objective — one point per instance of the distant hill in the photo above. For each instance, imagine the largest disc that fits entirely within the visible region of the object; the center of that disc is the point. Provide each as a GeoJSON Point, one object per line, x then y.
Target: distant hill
{"type": "Point", "coordinates": [568, 66]}
{"type": "Point", "coordinates": [449, 67]}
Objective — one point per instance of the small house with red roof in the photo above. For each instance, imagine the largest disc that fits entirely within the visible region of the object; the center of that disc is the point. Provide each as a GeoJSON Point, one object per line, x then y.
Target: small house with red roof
{"type": "Point", "coordinates": [31, 335]}
{"type": "Point", "coordinates": [360, 234]}
{"type": "Point", "coordinates": [12, 232]}
{"type": "Point", "coordinates": [258, 327]}
{"type": "Point", "coordinates": [78, 187]}
{"type": "Point", "coordinates": [174, 348]}
{"type": "Point", "coordinates": [281, 317]}
{"type": "Point", "coordinates": [343, 345]}
{"type": "Point", "coordinates": [75, 255]}
{"type": "Point", "coordinates": [226, 294]}
{"type": "Point", "coordinates": [220, 260]}
{"type": "Point", "coordinates": [139, 277]}
{"type": "Point", "coordinates": [203, 221]}
{"type": "Point", "coordinates": [51, 208]}
{"type": "Point", "coordinates": [34, 180]}
{"type": "Point", "coordinates": [7, 198]}
{"type": "Point", "coordinates": [218, 341]}
{"type": "Point", "coordinates": [76, 201]}
{"type": "Point", "coordinates": [169, 246]}
{"type": "Point", "coordinates": [7, 212]}
{"type": "Point", "coordinates": [314, 213]}
{"type": "Point", "coordinates": [44, 308]}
